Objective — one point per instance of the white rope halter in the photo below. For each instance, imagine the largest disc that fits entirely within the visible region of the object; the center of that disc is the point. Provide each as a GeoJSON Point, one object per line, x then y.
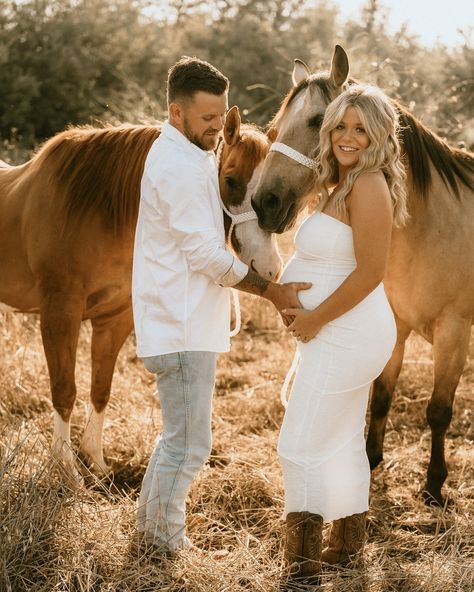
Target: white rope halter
{"type": "Point", "coordinates": [288, 378]}
{"type": "Point", "coordinates": [293, 154]}
{"type": "Point", "coordinates": [238, 218]}
{"type": "Point", "coordinates": [235, 219]}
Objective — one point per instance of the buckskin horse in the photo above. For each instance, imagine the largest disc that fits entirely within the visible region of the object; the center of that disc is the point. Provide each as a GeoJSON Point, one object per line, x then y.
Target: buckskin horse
{"type": "Point", "coordinates": [430, 274]}
{"type": "Point", "coordinates": [67, 224]}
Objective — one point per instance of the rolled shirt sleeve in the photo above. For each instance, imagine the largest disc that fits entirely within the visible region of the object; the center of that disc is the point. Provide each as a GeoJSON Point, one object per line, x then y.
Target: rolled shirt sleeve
{"type": "Point", "coordinates": [192, 223]}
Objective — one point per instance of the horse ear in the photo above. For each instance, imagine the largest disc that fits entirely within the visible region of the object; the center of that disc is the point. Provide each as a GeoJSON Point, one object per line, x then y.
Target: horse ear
{"type": "Point", "coordinates": [272, 134]}
{"type": "Point", "coordinates": [232, 126]}
{"type": "Point", "coordinates": [300, 72]}
{"type": "Point", "coordinates": [339, 66]}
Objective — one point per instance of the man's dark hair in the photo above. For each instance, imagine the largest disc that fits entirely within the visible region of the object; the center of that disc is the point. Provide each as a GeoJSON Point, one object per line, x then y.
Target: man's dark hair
{"type": "Point", "coordinates": [190, 75]}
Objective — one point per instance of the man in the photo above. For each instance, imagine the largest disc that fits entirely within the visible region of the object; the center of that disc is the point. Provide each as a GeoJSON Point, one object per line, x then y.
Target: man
{"type": "Point", "coordinates": [181, 305]}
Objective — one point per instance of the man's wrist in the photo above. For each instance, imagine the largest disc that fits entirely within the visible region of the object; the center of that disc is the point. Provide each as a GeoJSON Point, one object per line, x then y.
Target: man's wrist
{"type": "Point", "coordinates": [254, 284]}
{"type": "Point", "coordinates": [271, 291]}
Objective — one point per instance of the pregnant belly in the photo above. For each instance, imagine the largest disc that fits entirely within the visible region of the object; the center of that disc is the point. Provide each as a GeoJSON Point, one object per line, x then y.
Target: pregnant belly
{"type": "Point", "coordinates": [324, 277]}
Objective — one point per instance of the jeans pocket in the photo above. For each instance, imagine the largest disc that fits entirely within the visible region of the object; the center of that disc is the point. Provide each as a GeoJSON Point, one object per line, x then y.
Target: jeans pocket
{"type": "Point", "coordinates": [159, 364]}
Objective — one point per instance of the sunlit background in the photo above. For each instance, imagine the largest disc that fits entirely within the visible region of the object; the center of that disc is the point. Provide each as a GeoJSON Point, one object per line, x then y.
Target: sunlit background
{"type": "Point", "coordinates": [105, 61]}
{"type": "Point", "coordinates": [450, 22]}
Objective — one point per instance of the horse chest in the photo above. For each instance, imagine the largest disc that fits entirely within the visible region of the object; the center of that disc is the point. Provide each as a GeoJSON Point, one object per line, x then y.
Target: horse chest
{"type": "Point", "coordinates": [6, 308]}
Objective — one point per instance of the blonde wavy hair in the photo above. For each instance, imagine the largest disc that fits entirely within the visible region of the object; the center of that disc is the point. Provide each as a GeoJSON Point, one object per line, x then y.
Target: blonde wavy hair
{"type": "Point", "coordinates": [380, 121]}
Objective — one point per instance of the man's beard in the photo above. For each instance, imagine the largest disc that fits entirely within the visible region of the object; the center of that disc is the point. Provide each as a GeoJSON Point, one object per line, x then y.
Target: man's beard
{"type": "Point", "coordinates": [205, 142]}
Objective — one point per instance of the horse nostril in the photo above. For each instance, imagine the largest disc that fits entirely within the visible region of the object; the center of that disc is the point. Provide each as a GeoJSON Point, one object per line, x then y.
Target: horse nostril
{"type": "Point", "coordinates": [271, 201]}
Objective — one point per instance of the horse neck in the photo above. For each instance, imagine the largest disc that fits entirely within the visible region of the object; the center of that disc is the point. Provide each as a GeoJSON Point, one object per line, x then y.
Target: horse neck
{"type": "Point", "coordinates": [99, 172]}
{"type": "Point", "coordinates": [425, 151]}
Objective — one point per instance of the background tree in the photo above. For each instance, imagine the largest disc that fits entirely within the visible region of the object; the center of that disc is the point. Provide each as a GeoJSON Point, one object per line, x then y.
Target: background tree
{"type": "Point", "coordinates": [80, 61]}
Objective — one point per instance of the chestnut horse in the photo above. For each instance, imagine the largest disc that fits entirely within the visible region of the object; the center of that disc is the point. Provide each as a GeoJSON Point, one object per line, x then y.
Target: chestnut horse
{"type": "Point", "coordinates": [430, 274]}
{"type": "Point", "coordinates": [67, 225]}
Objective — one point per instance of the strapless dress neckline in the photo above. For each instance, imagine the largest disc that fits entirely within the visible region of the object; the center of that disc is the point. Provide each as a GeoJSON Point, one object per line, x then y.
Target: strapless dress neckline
{"type": "Point", "coordinates": [336, 220]}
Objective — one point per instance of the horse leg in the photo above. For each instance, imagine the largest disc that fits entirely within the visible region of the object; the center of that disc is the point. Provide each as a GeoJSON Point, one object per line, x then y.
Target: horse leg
{"type": "Point", "coordinates": [382, 395]}
{"type": "Point", "coordinates": [60, 316]}
{"type": "Point", "coordinates": [450, 347]}
{"type": "Point", "coordinates": [108, 336]}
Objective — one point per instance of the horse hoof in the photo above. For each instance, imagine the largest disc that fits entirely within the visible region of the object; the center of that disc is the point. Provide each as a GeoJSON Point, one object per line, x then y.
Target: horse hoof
{"type": "Point", "coordinates": [97, 466]}
{"type": "Point", "coordinates": [375, 458]}
{"type": "Point", "coordinates": [100, 469]}
{"type": "Point", "coordinates": [75, 479]}
{"type": "Point", "coordinates": [434, 499]}
{"type": "Point", "coordinates": [65, 467]}
{"type": "Point", "coordinates": [70, 476]}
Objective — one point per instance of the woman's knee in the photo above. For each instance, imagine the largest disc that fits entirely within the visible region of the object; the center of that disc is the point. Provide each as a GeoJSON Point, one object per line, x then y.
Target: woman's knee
{"type": "Point", "coordinates": [288, 447]}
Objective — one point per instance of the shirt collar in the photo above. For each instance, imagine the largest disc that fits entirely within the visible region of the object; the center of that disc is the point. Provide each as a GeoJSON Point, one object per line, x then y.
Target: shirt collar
{"type": "Point", "coordinates": [174, 134]}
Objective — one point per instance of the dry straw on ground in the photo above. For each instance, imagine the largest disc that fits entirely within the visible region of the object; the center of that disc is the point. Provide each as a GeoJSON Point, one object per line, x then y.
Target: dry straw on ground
{"type": "Point", "coordinates": [54, 537]}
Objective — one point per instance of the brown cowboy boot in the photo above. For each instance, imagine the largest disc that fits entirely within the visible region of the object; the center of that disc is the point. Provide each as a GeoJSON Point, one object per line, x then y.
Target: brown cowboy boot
{"type": "Point", "coordinates": [303, 544]}
{"type": "Point", "coordinates": [346, 541]}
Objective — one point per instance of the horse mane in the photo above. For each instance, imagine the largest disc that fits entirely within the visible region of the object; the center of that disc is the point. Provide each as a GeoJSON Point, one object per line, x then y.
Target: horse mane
{"type": "Point", "coordinates": [254, 141]}
{"type": "Point", "coordinates": [422, 145]}
{"type": "Point", "coordinates": [99, 170]}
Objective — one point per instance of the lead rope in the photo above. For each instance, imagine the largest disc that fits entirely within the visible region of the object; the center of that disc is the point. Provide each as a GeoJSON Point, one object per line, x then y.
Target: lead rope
{"type": "Point", "coordinates": [289, 377]}
{"type": "Point", "coordinates": [234, 219]}
{"type": "Point", "coordinates": [238, 320]}
{"type": "Point", "coordinates": [310, 163]}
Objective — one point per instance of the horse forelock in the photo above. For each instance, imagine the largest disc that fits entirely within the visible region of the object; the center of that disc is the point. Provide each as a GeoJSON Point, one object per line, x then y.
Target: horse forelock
{"type": "Point", "coordinates": [319, 81]}
{"type": "Point", "coordinates": [242, 158]}
{"type": "Point", "coordinates": [254, 144]}
{"type": "Point", "coordinates": [98, 171]}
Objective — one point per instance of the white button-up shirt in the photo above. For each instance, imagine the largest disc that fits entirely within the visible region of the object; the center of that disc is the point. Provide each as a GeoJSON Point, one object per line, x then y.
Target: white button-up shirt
{"type": "Point", "coordinates": [181, 264]}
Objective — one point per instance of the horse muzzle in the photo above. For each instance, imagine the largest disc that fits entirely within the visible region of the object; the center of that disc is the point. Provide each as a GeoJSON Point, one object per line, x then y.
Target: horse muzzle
{"type": "Point", "coordinates": [274, 213]}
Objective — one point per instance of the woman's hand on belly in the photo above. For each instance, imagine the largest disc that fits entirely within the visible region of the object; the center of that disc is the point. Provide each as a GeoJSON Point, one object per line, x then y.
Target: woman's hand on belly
{"type": "Point", "coordinates": [304, 325]}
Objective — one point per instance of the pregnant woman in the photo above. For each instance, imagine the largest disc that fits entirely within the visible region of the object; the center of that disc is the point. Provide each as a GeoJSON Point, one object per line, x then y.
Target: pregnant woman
{"type": "Point", "coordinates": [346, 331]}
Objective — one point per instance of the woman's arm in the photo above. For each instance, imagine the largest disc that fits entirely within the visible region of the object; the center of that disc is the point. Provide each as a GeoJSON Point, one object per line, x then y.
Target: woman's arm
{"type": "Point", "coordinates": [370, 211]}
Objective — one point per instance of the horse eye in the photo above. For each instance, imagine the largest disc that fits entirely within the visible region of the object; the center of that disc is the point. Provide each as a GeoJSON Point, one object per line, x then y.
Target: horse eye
{"type": "Point", "coordinates": [231, 183]}
{"type": "Point", "coordinates": [316, 121]}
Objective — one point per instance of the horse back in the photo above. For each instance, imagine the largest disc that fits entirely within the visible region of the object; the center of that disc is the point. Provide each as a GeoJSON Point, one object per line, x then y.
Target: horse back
{"type": "Point", "coordinates": [67, 217]}
{"type": "Point", "coordinates": [430, 271]}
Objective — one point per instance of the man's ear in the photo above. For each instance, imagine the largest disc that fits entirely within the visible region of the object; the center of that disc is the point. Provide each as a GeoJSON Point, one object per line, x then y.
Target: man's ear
{"type": "Point", "coordinates": [175, 112]}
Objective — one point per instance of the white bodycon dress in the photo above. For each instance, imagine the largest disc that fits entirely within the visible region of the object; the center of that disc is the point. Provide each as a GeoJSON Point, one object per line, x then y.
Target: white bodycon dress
{"type": "Point", "coordinates": [322, 445]}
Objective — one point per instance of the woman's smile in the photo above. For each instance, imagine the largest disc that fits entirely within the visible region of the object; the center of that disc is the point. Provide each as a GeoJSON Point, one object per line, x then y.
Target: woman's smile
{"type": "Point", "coordinates": [349, 138]}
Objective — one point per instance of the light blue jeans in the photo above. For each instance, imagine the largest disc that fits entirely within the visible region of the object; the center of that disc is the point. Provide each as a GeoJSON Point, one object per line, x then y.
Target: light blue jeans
{"type": "Point", "coordinates": [185, 384]}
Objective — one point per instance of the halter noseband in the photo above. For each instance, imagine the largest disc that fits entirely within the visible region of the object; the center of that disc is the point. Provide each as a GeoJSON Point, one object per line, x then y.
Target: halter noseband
{"type": "Point", "coordinates": [302, 159]}
{"type": "Point", "coordinates": [310, 163]}
{"type": "Point", "coordinates": [235, 219]}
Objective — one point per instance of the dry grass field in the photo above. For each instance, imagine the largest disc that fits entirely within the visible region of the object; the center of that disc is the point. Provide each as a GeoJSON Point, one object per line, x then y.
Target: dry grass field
{"type": "Point", "coordinates": [54, 537]}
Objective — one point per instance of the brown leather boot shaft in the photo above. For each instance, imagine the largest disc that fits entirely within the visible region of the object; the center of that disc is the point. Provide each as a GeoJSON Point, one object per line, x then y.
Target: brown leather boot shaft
{"type": "Point", "coordinates": [354, 533]}
{"type": "Point", "coordinates": [303, 543]}
{"type": "Point", "coordinates": [333, 553]}
{"type": "Point", "coordinates": [312, 546]}
{"type": "Point", "coordinates": [294, 537]}
{"type": "Point", "coordinates": [346, 540]}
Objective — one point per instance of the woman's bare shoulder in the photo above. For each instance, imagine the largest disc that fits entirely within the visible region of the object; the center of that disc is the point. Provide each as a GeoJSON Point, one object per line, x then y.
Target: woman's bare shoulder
{"type": "Point", "coordinates": [368, 187]}
{"type": "Point", "coordinates": [370, 194]}
{"type": "Point", "coordinates": [370, 181]}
